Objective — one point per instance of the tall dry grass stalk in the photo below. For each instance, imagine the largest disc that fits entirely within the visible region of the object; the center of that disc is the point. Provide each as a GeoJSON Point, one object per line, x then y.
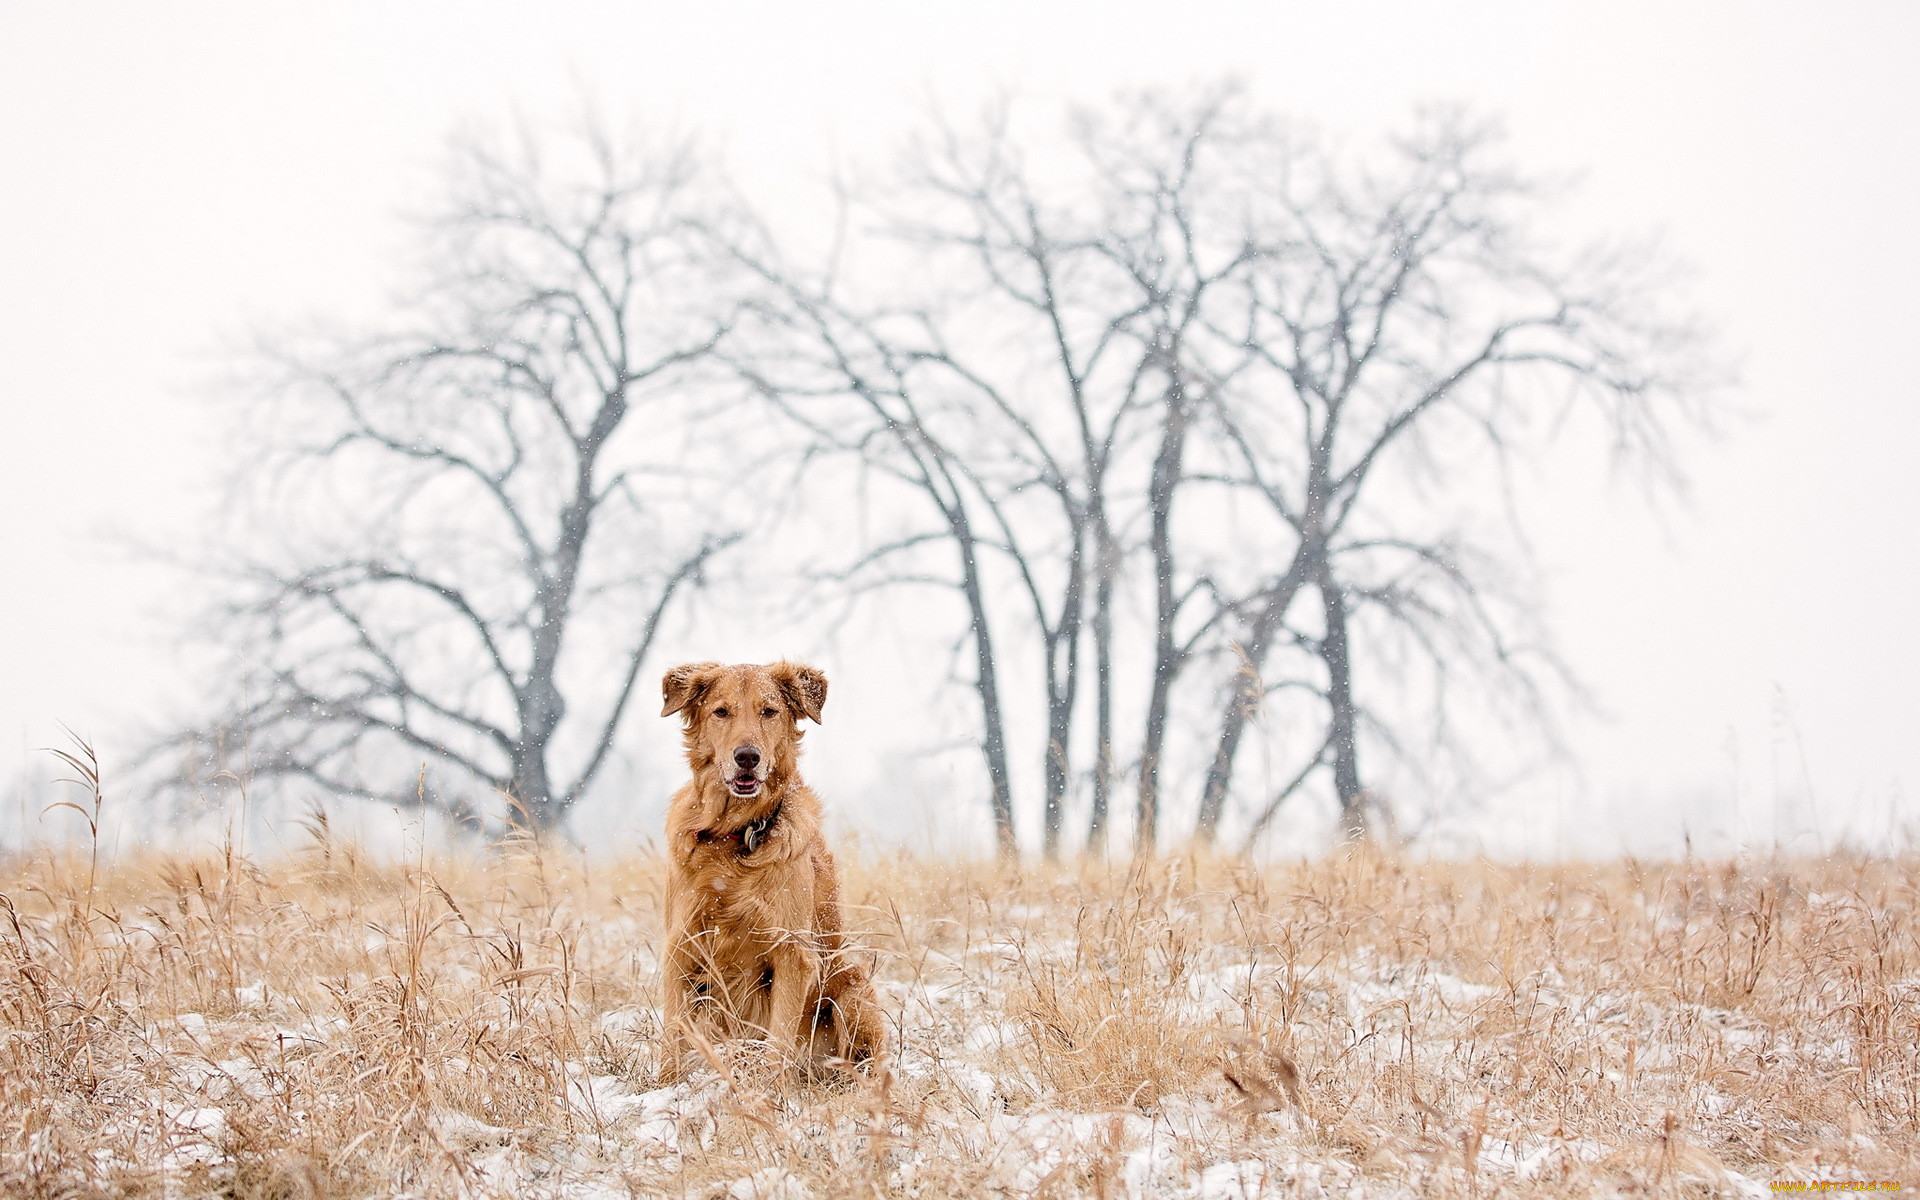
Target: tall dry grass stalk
{"type": "Point", "coordinates": [334, 1025]}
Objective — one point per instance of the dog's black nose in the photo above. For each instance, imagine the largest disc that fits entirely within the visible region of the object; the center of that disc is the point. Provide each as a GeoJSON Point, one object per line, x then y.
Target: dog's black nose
{"type": "Point", "coordinates": [746, 758]}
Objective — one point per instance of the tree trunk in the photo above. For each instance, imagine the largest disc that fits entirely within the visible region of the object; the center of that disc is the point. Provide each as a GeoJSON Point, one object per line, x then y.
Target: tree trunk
{"type": "Point", "coordinates": [1248, 692]}
{"type": "Point", "coordinates": [1103, 701]}
{"type": "Point", "coordinates": [1059, 727]}
{"type": "Point", "coordinates": [533, 797]}
{"type": "Point", "coordinates": [1166, 657]}
{"type": "Point", "coordinates": [993, 741]}
{"type": "Point", "coordinates": [1346, 762]}
{"type": "Point", "coordinates": [541, 706]}
{"type": "Point", "coordinates": [1061, 695]}
{"type": "Point", "coordinates": [1309, 559]}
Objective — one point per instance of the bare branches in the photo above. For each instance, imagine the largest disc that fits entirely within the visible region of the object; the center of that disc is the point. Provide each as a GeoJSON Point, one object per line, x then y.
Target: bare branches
{"type": "Point", "coordinates": [443, 531]}
{"type": "Point", "coordinates": [1394, 322]}
{"type": "Point", "coordinates": [686, 573]}
{"type": "Point", "coordinates": [1198, 314]}
{"type": "Point", "coordinates": [1126, 397]}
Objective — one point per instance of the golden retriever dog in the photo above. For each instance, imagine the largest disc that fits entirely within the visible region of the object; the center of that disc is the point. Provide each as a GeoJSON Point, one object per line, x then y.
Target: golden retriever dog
{"type": "Point", "coordinates": [755, 942]}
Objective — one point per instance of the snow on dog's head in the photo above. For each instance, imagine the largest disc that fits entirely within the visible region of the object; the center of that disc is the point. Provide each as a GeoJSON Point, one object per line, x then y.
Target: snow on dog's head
{"type": "Point", "coordinates": [743, 726]}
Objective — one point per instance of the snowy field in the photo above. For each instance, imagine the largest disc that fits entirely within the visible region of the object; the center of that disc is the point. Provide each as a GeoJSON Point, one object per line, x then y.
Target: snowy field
{"type": "Point", "coordinates": [330, 1026]}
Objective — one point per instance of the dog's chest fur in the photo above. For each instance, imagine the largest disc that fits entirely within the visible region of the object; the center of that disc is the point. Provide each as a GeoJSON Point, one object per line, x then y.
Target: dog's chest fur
{"type": "Point", "coordinates": [741, 900]}
{"type": "Point", "coordinates": [738, 897]}
{"type": "Point", "coordinates": [739, 907]}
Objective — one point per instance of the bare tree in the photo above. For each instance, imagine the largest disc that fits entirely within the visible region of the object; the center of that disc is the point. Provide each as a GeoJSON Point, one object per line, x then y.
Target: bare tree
{"type": "Point", "coordinates": [1052, 322]}
{"type": "Point", "coordinates": [1037, 275]}
{"type": "Point", "coordinates": [1195, 321]}
{"type": "Point", "coordinates": [1405, 322]}
{"type": "Point", "coordinates": [1172, 229]}
{"type": "Point", "coordinates": [477, 521]}
{"type": "Point", "coordinates": [1014, 365]}
{"type": "Point", "coordinates": [835, 375]}
{"type": "Point", "coordinates": [1126, 398]}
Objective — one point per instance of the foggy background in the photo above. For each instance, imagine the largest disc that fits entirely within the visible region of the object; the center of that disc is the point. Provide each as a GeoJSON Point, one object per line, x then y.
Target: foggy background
{"type": "Point", "coordinates": [176, 179]}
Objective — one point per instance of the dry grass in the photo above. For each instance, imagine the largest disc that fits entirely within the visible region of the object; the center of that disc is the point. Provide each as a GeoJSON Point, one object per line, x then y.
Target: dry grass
{"type": "Point", "coordinates": [334, 1026]}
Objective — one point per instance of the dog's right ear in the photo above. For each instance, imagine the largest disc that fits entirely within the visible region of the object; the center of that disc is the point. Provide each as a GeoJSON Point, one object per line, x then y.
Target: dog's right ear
{"type": "Point", "coordinates": [684, 684]}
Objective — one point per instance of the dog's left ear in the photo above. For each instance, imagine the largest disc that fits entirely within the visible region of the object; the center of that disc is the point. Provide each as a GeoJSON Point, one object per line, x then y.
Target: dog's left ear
{"type": "Point", "coordinates": [804, 687]}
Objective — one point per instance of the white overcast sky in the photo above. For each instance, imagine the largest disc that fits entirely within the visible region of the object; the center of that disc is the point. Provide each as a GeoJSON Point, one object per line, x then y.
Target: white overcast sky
{"type": "Point", "coordinates": [172, 175]}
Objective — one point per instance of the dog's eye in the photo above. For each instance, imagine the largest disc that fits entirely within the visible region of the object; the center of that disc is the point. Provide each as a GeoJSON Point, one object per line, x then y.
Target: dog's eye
{"type": "Point", "coordinates": [721, 712]}
{"type": "Point", "coordinates": [767, 712]}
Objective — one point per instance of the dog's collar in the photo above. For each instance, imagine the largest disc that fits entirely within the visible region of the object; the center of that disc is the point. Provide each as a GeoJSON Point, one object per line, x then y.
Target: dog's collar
{"type": "Point", "coordinates": [750, 835]}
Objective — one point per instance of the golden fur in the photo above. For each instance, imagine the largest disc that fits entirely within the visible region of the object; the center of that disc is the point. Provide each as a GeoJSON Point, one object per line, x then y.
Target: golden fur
{"type": "Point", "coordinates": [755, 941]}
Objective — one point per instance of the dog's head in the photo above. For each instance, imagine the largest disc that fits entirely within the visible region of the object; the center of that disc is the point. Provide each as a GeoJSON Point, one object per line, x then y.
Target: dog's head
{"type": "Point", "coordinates": [743, 726]}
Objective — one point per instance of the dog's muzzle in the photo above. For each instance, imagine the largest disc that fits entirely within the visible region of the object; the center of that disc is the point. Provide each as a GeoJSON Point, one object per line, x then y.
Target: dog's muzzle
{"type": "Point", "coordinates": [749, 775]}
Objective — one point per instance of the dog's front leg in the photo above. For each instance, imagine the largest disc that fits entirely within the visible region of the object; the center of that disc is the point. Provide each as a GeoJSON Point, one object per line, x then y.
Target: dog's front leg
{"type": "Point", "coordinates": [679, 970]}
{"type": "Point", "coordinates": [675, 1014]}
{"type": "Point", "coordinates": [796, 980]}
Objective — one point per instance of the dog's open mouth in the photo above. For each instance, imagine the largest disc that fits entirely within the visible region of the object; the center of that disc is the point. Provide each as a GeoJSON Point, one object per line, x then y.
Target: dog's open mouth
{"type": "Point", "coordinates": [744, 786]}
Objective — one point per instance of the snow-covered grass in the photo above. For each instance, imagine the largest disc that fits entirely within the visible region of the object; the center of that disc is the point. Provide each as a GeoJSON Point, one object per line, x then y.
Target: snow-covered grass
{"type": "Point", "coordinates": [329, 1025]}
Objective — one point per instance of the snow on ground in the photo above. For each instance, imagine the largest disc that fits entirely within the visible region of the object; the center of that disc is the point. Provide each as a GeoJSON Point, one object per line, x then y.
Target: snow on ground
{"type": "Point", "coordinates": [1364, 1066]}
{"type": "Point", "coordinates": [958, 1065]}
